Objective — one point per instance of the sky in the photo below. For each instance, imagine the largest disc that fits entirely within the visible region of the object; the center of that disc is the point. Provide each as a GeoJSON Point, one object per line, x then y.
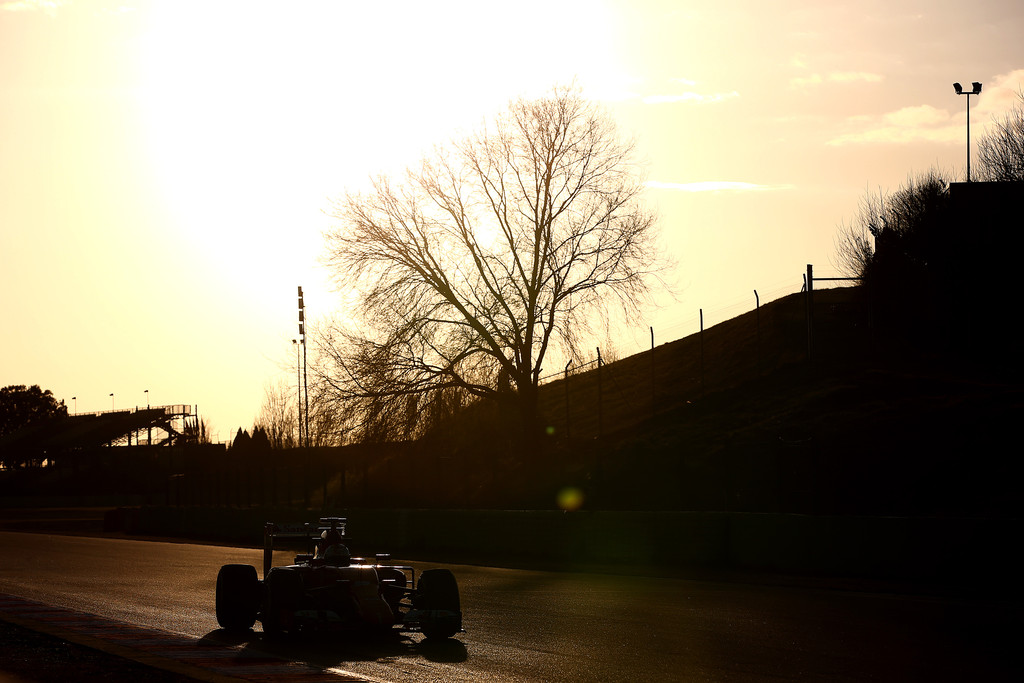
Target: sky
{"type": "Point", "coordinates": [167, 168]}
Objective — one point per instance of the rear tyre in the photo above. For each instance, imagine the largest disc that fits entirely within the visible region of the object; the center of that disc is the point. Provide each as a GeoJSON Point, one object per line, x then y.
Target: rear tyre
{"type": "Point", "coordinates": [238, 590]}
{"type": "Point", "coordinates": [437, 595]}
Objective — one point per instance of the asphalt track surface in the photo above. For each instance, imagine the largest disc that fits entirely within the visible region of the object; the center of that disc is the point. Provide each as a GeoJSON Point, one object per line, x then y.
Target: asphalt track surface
{"type": "Point", "coordinates": [157, 598]}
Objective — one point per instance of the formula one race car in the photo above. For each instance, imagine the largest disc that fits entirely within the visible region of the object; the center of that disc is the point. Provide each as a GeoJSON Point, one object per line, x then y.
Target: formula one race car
{"type": "Point", "coordinates": [329, 589]}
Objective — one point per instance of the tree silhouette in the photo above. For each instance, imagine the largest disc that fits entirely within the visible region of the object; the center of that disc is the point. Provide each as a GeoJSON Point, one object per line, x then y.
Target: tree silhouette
{"type": "Point", "coordinates": [901, 246]}
{"type": "Point", "coordinates": [278, 416]}
{"type": "Point", "coordinates": [196, 432]}
{"type": "Point", "coordinates": [1001, 149]}
{"type": "Point", "coordinates": [259, 442]}
{"type": "Point", "coordinates": [242, 441]}
{"type": "Point", "coordinates": [491, 252]}
{"type": "Point", "coordinates": [22, 407]}
{"type": "Point", "coordinates": [901, 231]}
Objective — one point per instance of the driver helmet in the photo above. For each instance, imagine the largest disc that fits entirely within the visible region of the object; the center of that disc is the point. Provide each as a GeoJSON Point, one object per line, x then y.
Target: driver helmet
{"type": "Point", "coordinates": [338, 555]}
{"type": "Point", "coordinates": [329, 537]}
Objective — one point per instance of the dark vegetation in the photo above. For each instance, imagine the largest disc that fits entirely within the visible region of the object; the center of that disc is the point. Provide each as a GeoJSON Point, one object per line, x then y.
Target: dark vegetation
{"type": "Point", "coordinates": [26, 408]}
{"type": "Point", "coordinates": [869, 425]}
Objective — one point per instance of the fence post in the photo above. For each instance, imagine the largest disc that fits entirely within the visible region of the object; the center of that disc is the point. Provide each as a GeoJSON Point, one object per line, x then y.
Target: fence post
{"type": "Point", "coordinates": [654, 395]}
{"type": "Point", "coordinates": [810, 310]}
{"type": "Point", "coordinates": [567, 430]}
{"type": "Point", "coordinates": [600, 409]}
{"type": "Point", "coordinates": [306, 493]}
{"type": "Point", "coordinates": [757, 308]}
{"type": "Point", "coordinates": [323, 480]}
{"type": "Point", "coordinates": [701, 352]}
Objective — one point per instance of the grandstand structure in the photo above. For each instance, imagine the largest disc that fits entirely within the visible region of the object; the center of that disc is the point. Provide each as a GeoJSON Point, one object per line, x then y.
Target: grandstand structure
{"type": "Point", "coordinates": [151, 426]}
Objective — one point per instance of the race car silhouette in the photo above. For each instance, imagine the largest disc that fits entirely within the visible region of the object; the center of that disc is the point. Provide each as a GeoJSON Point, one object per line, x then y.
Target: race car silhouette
{"type": "Point", "coordinates": [328, 589]}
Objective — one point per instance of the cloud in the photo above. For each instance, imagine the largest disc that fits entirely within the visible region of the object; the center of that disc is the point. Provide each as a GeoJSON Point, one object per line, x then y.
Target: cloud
{"type": "Point", "coordinates": [714, 186]}
{"type": "Point", "coordinates": [917, 117]}
{"type": "Point", "coordinates": [897, 135]}
{"type": "Point", "coordinates": [48, 6]}
{"type": "Point", "coordinates": [689, 95]}
{"type": "Point", "coordinates": [855, 77]}
{"type": "Point", "coordinates": [923, 123]}
{"type": "Point", "coordinates": [804, 81]}
{"type": "Point", "coordinates": [835, 77]}
{"type": "Point", "coordinates": [698, 98]}
{"type": "Point", "coordinates": [999, 94]}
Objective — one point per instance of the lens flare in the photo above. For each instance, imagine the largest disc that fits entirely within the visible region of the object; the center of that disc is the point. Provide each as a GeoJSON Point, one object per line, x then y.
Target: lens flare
{"type": "Point", "coordinates": [570, 498]}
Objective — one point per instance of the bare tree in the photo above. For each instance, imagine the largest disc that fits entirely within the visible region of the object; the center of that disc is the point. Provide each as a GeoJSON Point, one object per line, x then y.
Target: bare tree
{"type": "Point", "coordinates": [903, 228]}
{"type": "Point", "coordinates": [478, 262]}
{"type": "Point", "coordinates": [1001, 149]}
{"type": "Point", "coordinates": [375, 407]}
{"type": "Point", "coordinates": [329, 417]}
{"type": "Point", "coordinates": [903, 247]}
{"type": "Point", "coordinates": [854, 241]}
{"type": "Point", "coordinates": [278, 416]}
{"type": "Point", "coordinates": [196, 432]}
{"type": "Point", "coordinates": [854, 249]}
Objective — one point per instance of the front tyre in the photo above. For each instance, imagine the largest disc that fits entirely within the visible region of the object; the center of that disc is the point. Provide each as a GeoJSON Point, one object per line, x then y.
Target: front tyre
{"type": "Point", "coordinates": [238, 590]}
{"type": "Point", "coordinates": [437, 598]}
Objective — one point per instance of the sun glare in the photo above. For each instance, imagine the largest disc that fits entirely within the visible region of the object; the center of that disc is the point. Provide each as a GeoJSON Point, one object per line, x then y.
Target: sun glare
{"type": "Point", "coordinates": [258, 113]}
{"type": "Point", "coordinates": [317, 87]}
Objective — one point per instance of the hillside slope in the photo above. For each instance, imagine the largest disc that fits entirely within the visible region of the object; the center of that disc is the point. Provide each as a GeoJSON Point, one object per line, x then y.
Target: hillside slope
{"type": "Point", "coordinates": [866, 426]}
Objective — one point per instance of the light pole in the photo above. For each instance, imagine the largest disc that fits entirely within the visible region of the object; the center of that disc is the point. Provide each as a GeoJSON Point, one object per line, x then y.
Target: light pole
{"type": "Point", "coordinates": [302, 340]}
{"type": "Point", "coordinates": [75, 399]}
{"type": "Point", "coordinates": [976, 90]}
{"type": "Point", "coordinates": [298, 384]}
{"type": "Point", "coordinates": [111, 401]}
{"type": "Point", "coordinates": [149, 429]}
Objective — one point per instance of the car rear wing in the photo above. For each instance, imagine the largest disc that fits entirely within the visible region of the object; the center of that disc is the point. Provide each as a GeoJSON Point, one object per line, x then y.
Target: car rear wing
{"type": "Point", "coordinates": [297, 530]}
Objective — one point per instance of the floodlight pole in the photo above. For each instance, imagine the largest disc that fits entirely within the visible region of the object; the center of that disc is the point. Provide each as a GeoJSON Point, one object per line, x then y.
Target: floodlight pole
{"type": "Point", "coordinates": [968, 137]}
{"type": "Point", "coordinates": [305, 385]}
{"type": "Point", "coordinates": [975, 90]}
{"type": "Point", "coordinates": [302, 338]}
{"type": "Point", "coordinates": [298, 385]}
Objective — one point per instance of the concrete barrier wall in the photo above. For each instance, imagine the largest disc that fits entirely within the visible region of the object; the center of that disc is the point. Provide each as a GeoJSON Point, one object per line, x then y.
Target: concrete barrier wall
{"type": "Point", "coordinates": [925, 549]}
{"type": "Point", "coordinates": [71, 501]}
